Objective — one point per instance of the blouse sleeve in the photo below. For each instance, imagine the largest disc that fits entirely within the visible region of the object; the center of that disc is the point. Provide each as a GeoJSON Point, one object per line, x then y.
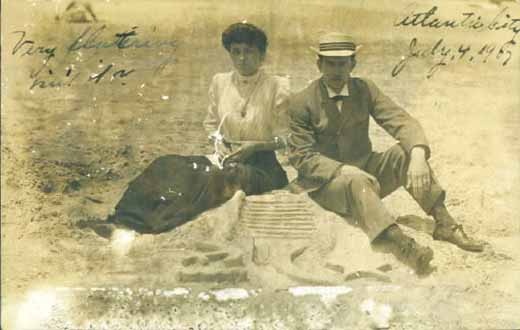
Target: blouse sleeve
{"type": "Point", "coordinates": [280, 118]}
{"type": "Point", "coordinates": [212, 119]}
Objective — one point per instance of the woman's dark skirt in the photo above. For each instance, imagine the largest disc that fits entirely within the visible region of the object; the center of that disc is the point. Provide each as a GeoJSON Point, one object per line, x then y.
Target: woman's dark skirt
{"type": "Point", "coordinates": [173, 189]}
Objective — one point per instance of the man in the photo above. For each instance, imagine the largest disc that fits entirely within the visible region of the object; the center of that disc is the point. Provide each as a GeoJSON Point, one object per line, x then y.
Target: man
{"type": "Point", "coordinates": [331, 150]}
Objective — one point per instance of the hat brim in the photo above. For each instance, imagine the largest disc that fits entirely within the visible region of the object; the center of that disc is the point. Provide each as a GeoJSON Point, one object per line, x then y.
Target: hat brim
{"type": "Point", "coordinates": [335, 53]}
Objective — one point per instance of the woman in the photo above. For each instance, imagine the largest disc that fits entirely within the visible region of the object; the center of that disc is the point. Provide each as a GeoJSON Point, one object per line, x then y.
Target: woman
{"type": "Point", "coordinates": [246, 119]}
{"type": "Point", "coordinates": [247, 113]}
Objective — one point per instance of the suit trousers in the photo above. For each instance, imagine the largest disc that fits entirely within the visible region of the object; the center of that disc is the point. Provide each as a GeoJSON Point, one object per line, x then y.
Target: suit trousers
{"type": "Point", "coordinates": [360, 197]}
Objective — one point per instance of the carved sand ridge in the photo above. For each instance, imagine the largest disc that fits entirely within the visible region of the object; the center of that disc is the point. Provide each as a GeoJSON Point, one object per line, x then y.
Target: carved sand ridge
{"type": "Point", "coordinates": [277, 216]}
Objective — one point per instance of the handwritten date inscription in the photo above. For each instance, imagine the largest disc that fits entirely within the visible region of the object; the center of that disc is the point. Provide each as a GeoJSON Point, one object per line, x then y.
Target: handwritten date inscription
{"type": "Point", "coordinates": [443, 53]}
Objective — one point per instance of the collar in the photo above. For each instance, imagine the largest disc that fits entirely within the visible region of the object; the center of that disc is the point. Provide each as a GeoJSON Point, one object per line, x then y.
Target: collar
{"type": "Point", "coordinates": [247, 80]}
{"type": "Point", "coordinates": [343, 92]}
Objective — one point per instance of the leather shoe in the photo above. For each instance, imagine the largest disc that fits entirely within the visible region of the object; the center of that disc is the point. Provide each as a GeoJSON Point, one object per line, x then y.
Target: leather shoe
{"type": "Point", "coordinates": [455, 234]}
{"type": "Point", "coordinates": [414, 255]}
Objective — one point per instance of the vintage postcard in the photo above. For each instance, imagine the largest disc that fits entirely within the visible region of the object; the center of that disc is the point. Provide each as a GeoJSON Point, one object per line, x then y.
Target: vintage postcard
{"type": "Point", "coordinates": [173, 164]}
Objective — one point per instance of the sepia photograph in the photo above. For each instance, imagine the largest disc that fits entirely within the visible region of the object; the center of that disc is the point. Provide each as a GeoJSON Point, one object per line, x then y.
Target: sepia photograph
{"type": "Point", "coordinates": [260, 165]}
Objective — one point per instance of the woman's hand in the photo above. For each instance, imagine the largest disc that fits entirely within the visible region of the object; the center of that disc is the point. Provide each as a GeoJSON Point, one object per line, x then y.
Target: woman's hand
{"type": "Point", "coordinates": [222, 149]}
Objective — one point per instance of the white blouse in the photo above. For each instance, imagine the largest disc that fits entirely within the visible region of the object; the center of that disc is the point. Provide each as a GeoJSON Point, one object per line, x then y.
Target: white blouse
{"type": "Point", "coordinates": [253, 108]}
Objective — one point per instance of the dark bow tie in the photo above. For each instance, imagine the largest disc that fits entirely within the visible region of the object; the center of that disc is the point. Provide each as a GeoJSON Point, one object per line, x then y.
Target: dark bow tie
{"type": "Point", "coordinates": [337, 98]}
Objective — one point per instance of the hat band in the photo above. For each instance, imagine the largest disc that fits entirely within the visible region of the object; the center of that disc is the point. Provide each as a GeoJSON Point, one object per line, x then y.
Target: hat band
{"type": "Point", "coordinates": [337, 46]}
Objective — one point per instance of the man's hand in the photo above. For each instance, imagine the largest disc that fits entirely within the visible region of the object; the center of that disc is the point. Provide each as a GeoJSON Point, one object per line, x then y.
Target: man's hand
{"type": "Point", "coordinates": [242, 153]}
{"type": "Point", "coordinates": [418, 176]}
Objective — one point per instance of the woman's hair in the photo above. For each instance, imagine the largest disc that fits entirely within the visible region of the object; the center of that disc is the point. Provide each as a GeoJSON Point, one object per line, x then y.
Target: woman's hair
{"type": "Point", "coordinates": [244, 33]}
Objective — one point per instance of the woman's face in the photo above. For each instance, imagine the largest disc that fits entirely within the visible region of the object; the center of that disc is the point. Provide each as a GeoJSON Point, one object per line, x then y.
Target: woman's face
{"type": "Point", "coordinates": [246, 58]}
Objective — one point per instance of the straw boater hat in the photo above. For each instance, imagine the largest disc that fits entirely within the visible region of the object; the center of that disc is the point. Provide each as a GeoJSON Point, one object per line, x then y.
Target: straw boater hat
{"type": "Point", "coordinates": [336, 44]}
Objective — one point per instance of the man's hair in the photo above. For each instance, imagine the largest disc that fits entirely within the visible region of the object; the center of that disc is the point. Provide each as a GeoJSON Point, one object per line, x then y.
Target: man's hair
{"type": "Point", "coordinates": [244, 33]}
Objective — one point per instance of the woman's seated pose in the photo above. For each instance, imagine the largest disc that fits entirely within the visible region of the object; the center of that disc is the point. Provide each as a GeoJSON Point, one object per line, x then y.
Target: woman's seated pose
{"type": "Point", "coordinates": [247, 122]}
{"type": "Point", "coordinates": [247, 115]}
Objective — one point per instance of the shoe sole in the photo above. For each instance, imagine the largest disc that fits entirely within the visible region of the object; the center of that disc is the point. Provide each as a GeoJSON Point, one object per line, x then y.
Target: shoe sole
{"type": "Point", "coordinates": [462, 247]}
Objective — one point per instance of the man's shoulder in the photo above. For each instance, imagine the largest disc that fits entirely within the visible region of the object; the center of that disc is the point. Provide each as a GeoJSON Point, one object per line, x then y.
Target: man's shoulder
{"type": "Point", "coordinates": [362, 81]}
{"type": "Point", "coordinates": [365, 84]}
{"type": "Point", "coordinates": [307, 93]}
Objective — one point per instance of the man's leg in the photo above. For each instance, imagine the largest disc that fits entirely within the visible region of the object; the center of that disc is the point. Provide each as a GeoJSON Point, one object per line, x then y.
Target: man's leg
{"type": "Point", "coordinates": [390, 168]}
{"type": "Point", "coordinates": [355, 195]}
{"type": "Point", "coordinates": [358, 195]}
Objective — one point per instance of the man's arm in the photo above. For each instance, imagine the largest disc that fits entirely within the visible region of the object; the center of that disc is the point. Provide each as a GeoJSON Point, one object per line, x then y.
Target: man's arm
{"type": "Point", "coordinates": [407, 130]}
{"type": "Point", "coordinates": [308, 162]}
{"type": "Point", "coordinates": [396, 121]}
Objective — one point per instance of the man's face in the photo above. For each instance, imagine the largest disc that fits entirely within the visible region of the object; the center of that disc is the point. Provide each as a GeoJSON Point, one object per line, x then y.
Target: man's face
{"type": "Point", "coordinates": [336, 70]}
{"type": "Point", "coordinates": [246, 58]}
